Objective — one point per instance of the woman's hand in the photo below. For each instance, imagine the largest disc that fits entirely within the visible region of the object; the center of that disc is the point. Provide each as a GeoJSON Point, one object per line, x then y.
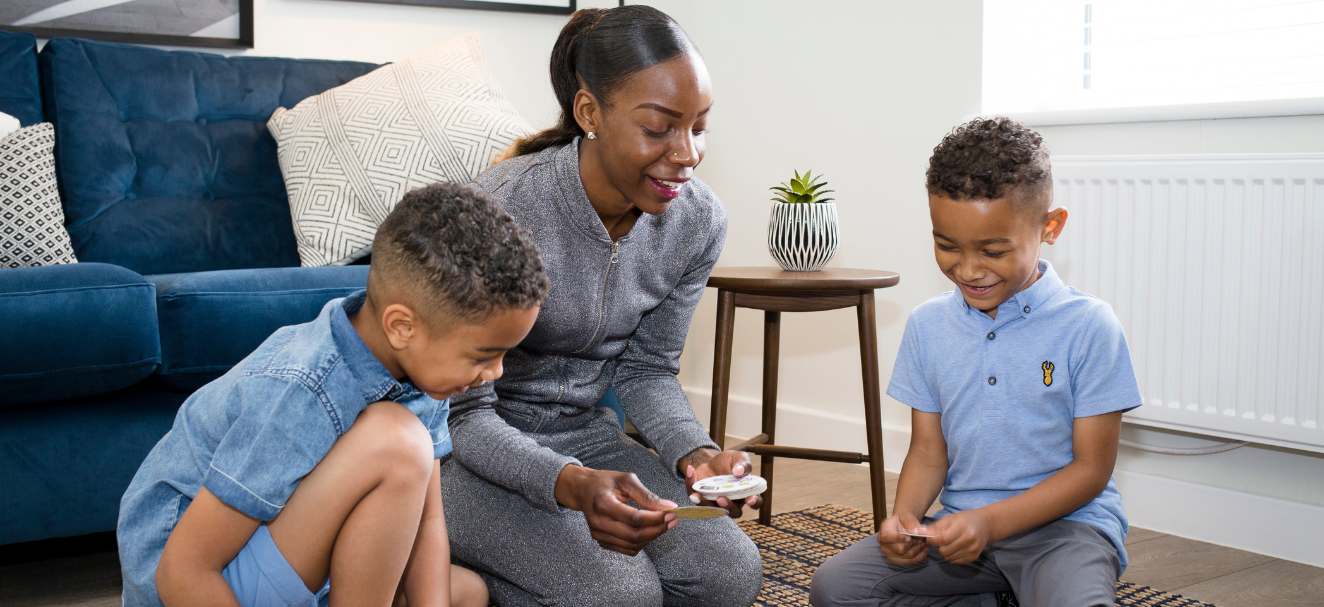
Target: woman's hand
{"type": "Point", "coordinates": [602, 495]}
{"type": "Point", "coordinates": [902, 549]}
{"type": "Point", "coordinates": [961, 537]}
{"type": "Point", "coordinates": [703, 463]}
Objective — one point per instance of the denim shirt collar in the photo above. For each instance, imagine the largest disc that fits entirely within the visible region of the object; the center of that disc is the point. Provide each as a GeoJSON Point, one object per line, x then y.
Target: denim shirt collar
{"type": "Point", "coordinates": [1023, 303]}
{"type": "Point", "coordinates": [374, 380]}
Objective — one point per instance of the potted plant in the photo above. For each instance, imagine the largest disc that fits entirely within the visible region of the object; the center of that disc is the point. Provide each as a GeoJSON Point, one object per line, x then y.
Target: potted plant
{"type": "Point", "coordinates": [802, 231]}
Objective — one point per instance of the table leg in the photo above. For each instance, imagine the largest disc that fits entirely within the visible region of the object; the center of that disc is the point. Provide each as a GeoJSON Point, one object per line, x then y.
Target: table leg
{"type": "Point", "coordinates": [873, 414]}
{"type": "Point", "coordinates": [726, 317]}
{"type": "Point", "coordinates": [772, 330]}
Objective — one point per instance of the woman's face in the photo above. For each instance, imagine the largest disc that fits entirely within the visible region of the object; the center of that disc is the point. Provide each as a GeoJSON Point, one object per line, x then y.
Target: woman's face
{"type": "Point", "coordinates": [650, 134]}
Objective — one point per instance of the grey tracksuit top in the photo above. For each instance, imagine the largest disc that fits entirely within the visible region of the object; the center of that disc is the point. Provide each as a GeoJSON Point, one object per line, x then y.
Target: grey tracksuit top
{"type": "Point", "coordinates": [616, 316]}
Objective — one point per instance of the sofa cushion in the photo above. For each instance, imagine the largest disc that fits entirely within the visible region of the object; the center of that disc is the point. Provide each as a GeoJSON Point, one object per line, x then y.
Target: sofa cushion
{"type": "Point", "coordinates": [67, 464]}
{"type": "Point", "coordinates": [74, 330]}
{"type": "Point", "coordinates": [211, 320]}
{"type": "Point", "coordinates": [351, 153]}
{"type": "Point", "coordinates": [20, 95]}
{"type": "Point", "coordinates": [164, 161]}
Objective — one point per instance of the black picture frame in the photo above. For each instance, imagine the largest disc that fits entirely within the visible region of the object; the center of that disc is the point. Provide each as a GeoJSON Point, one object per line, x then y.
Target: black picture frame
{"type": "Point", "coordinates": [245, 39]}
{"type": "Point", "coordinates": [514, 7]}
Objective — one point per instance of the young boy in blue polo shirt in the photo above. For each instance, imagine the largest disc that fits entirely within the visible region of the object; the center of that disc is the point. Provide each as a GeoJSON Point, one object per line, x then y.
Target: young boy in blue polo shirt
{"type": "Point", "coordinates": [1017, 384]}
{"type": "Point", "coordinates": [311, 467]}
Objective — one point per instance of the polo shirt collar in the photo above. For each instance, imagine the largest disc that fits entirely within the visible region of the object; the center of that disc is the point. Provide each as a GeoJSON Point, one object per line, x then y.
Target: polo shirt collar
{"type": "Point", "coordinates": [375, 382]}
{"type": "Point", "coordinates": [1039, 293]}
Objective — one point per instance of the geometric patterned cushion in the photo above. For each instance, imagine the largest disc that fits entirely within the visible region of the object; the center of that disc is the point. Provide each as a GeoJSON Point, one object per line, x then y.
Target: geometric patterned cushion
{"type": "Point", "coordinates": [31, 221]}
{"type": "Point", "coordinates": [349, 154]}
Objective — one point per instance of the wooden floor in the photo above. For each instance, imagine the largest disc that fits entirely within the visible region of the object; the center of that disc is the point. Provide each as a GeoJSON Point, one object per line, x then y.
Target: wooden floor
{"type": "Point", "coordinates": [1222, 576]}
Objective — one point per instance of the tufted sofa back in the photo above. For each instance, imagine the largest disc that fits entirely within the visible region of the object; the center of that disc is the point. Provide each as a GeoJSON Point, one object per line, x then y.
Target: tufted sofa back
{"type": "Point", "coordinates": [164, 159]}
{"type": "Point", "coordinates": [20, 95]}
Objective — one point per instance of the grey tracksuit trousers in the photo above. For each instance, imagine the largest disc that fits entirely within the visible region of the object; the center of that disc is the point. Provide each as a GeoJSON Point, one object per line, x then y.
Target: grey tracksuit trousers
{"type": "Point", "coordinates": [1062, 564]}
{"type": "Point", "coordinates": [530, 556]}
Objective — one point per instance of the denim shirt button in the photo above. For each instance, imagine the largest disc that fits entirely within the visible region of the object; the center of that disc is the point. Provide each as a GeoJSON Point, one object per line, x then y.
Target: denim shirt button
{"type": "Point", "coordinates": [1026, 309]}
{"type": "Point", "coordinates": [991, 335]}
{"type": "Point", "coordinates": [992, 381]}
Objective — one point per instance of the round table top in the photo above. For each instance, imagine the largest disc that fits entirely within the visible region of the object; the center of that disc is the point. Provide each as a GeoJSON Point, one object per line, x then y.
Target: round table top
{"type": "Point", "coordinates": [777, 279]}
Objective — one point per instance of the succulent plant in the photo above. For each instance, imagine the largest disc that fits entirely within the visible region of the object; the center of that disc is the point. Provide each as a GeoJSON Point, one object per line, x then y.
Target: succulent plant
{"type": "Point", "coordinates": [801, 190]}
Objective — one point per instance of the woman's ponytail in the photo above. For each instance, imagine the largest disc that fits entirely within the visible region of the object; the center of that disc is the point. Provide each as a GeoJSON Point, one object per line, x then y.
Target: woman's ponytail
{"type": "Point", "coordinates": [599, 49]}
{"type": "Point", "coordinates": [565, 84]}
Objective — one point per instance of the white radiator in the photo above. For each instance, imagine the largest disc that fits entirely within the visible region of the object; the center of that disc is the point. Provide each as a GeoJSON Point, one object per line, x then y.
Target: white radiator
{"type": "Point", "coordinates": [1215, 266]}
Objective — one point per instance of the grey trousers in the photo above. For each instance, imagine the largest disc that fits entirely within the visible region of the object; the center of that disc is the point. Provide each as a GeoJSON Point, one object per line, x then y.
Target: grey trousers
{"type": "Point", "coordinates": [1062, 564]}
{"type": "Point", "coordinates": [529, 556]}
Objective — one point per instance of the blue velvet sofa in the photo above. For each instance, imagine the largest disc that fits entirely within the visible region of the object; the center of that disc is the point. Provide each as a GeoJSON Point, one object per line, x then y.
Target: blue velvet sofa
{"type": "Point", "coordinates": [178, 216]}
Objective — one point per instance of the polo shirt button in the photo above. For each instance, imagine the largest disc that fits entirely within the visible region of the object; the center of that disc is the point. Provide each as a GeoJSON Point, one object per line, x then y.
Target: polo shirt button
{"type": "Point", "coordinates": [991, 335]}
{"type": "Point", "coordinates": [1026, 309]}
{"type": "Point", "coordinates": [992, 381]}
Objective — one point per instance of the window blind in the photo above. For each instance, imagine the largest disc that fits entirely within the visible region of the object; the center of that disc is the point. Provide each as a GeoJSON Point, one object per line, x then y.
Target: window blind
{"type": "Point", "coordinates": [1063, 61]}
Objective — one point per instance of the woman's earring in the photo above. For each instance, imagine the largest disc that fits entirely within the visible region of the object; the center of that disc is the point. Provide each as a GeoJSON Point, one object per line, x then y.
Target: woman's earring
{"type": "Point", "coordinates": [591, 135]}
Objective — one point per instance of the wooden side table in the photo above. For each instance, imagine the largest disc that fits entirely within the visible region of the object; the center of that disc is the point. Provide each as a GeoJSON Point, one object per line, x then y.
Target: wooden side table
{"type": "Point", "coordinates": [775, 291]}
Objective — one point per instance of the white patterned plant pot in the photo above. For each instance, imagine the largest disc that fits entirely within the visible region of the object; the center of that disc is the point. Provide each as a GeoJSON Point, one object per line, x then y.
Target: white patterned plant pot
{"type": "Point", "coordinates": [802, 237]}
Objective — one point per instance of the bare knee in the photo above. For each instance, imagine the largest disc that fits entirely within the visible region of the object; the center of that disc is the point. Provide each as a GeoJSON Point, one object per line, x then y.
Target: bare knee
{"type": "Point", "coordinates": [467, 588]}
{"type": "Point", "coordinates": [393, 439]}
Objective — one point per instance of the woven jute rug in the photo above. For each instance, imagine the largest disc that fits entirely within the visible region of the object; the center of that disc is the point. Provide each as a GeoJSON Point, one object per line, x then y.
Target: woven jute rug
{"type": "Point", "coordinates": [798, 542]}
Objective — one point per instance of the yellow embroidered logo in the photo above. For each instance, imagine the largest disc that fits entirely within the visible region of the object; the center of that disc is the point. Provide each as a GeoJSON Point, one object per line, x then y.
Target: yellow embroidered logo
{"type": "Point", "coordinates": [1048, 373]}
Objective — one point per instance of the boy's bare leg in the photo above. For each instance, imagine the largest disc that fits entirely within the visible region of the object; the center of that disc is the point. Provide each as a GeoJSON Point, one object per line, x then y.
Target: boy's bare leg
{"type": "Point", "coordinates": [467, 590]}
{"type": "Point", "coordinates": [356, 515]}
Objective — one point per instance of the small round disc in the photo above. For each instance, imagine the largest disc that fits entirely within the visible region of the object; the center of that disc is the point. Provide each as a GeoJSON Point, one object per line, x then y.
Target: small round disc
{"type": "Point", "coordinates": [730, 487]}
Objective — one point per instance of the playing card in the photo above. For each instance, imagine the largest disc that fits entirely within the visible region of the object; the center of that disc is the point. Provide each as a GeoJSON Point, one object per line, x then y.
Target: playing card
{"type": "Point", "coordinates": [697, 512]}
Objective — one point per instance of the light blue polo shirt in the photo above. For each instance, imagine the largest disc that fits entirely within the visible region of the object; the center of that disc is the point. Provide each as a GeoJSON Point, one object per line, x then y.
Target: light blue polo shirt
{"type": "Point", "coordinates": [1009, 389]}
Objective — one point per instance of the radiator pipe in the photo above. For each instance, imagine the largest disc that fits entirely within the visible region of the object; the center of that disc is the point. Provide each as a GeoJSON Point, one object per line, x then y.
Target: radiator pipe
{"type": "Point", "coordinates": [1219, 448]}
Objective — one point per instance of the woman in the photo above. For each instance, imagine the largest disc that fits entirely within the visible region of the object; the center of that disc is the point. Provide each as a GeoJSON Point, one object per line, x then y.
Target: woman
{"type": "Point", "coordinates": [538, 494]}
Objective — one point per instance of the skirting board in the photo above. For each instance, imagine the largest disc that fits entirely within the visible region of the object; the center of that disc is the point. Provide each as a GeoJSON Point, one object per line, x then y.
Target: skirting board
{"type": "Point", "coordinates": [1288, 530]}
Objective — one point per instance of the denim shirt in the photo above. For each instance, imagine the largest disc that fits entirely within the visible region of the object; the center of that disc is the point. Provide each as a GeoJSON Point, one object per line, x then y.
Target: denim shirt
{"type": "Point", "coordinates": [250, 436]}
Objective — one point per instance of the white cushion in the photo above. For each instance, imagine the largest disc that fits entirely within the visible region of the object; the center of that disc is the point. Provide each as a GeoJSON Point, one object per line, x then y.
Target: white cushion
{"type": "Point", "coordinates": [348, 155]}
{"type": "Point", "coordinates": [31, 221]}
{"type": "Point", "coordinates": [8, 124]}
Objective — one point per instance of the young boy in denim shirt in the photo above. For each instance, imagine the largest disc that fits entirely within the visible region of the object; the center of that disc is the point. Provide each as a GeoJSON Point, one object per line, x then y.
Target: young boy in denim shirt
{"type": "Point", "coordinates": [313, 463]}
{"type": "Point", "coordinates": [1017, 384]}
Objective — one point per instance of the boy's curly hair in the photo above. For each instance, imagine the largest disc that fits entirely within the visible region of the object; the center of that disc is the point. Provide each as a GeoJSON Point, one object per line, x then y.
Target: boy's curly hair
{"type": "Point", "coordinates": [453, 253]}
{"type": "Point", "coordinates": [990, 158]}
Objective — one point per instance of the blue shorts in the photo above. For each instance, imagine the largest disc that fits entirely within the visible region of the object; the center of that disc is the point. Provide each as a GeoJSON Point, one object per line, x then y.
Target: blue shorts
{"type": "Point", "coordinates": [261, 577]}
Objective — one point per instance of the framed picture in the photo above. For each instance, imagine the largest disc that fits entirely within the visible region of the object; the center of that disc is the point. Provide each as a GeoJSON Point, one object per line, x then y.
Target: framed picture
{"type": "Point", "coordinates": [552, 7]}
{"type": "Point", "coordinates": [208, 23]}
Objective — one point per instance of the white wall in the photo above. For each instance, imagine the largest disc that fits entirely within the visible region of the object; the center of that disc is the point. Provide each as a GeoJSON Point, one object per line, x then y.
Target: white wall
{"type": "Point", "coordinates": [517, 45]}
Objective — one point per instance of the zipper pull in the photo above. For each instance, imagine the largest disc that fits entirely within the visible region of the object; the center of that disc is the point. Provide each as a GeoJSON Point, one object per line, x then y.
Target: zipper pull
{"type": "Point", "coordinates": [615, 249]}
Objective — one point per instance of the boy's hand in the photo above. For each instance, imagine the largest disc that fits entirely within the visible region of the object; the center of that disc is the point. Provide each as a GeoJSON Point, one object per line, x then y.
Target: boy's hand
{"type": "Point", "coordinates": [961, 537]}
{"type": "Point", "coordinates": [903, 549]}
{"type": "Point", "coordinates": [602, 495]}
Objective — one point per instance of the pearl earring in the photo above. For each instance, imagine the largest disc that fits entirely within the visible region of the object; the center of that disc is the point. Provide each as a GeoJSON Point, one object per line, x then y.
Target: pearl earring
{"type": "Point", "coordinates": [591, 135]}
